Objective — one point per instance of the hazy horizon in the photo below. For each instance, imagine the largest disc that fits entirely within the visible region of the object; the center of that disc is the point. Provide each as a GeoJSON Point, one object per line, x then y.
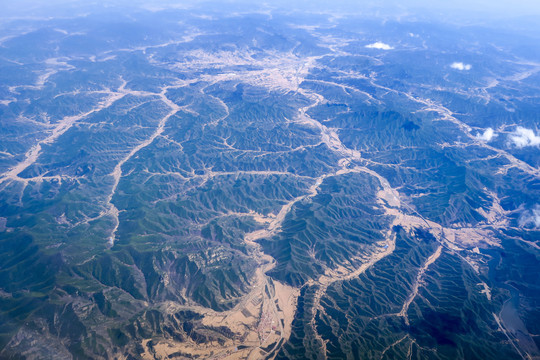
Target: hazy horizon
{"type": "Point", "coordinates": [483, 9]}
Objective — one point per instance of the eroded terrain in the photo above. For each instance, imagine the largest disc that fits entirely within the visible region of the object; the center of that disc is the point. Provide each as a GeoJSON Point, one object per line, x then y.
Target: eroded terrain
{"type": "Point", "coordinates": [265, 186]}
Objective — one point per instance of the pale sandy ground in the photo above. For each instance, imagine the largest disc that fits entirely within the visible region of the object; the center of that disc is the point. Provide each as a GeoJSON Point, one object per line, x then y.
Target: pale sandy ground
{"type": "Point", "coordinates": [258, 329]}
{"type": "Point", "coordinates": [60, 128]}
{"type": "Point", "coordinates": [416, 285]}
{"type": "Point", "coordinates": [486, 290]}
{"type": "Point", "coordinates": [257, 317]}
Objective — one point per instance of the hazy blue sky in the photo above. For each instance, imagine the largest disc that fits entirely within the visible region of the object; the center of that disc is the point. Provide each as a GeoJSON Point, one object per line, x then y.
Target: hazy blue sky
{"type": "Point", "coordinates": [461, 8]}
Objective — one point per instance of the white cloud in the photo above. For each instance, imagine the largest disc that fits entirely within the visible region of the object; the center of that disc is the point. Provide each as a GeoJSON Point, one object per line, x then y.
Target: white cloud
{"type": "Point", "coordinates": [461, 66]}
{"type": "Point", "coordinates": [487, 135]}
{"type": "Point", "coordinates": [522, 137]}
{"type": "Point", "coordinates": [530, 217]}
{"type": "Point", "coordinates": [379, 45]}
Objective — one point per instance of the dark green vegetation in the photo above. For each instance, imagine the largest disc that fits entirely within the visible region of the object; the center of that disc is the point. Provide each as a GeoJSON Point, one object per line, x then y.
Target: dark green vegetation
{"type": "Point", "coordinates": [138, 150]}
{"type": "Point", "coordinates": [337, 227]}
{"type": "Point", "coordinates": [360, 317]}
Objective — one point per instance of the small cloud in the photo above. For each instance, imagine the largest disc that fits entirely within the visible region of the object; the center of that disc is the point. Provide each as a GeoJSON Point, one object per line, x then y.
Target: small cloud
{"type": "Point", "coordinates": [379, 45]}
{"type": "Point", "coordinates": [522, 137]}
{"type": "Point", "coordinates": [461, 66]}
{"type": "Point", "coordinates": [61, 31]}
{"type": "Point", "coordinates": [487, 135]}
{"type": "Point", "coordinates": [530, 218]}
